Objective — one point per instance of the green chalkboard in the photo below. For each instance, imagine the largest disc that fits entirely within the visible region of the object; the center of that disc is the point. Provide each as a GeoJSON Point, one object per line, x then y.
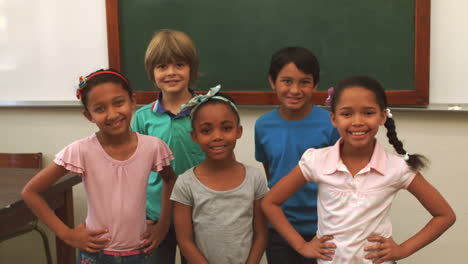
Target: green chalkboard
{"type": "Point", "coordinates": [236, 39]}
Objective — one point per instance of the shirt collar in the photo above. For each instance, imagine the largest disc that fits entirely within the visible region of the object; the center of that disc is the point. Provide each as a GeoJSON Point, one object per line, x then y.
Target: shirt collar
{"type": "Point", "coordinates": [157, 107]}
{"type": "Point", "coordinates": [334, 163]}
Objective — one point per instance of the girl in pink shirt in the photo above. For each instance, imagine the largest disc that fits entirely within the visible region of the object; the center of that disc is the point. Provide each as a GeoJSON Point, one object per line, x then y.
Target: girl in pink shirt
{"type": "Point", "coordinates": [357, 182]}
{"type": "Point", "coordinates": [114, 164]}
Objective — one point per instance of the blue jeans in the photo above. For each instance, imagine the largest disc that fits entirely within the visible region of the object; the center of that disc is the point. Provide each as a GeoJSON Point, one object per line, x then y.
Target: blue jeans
{"type": "Point", "coordinates": [85, 257]}
{"type": "Point", "coordinates": [166, 251]}
{"type": "Point", "coordinates": [278, 250]}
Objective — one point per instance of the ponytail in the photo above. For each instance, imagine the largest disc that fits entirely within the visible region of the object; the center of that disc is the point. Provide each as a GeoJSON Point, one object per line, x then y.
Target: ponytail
{"type": "Point", "coordinates": [414, 161]}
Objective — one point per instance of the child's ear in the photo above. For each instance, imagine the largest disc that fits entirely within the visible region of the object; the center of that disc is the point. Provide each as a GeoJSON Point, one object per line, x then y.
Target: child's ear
{"type": "Point", "coordinates": [384, 118]}
{"type": "Point", "coordinates": [133, 98]}
{"type": "Point", "coordinates": [272, 83]}
{"type": "Point", "coordinates": [88, 116]}
{"type": "Point", "coordinates": [315, 87]}
{"type": "Point", "coordinates": [239, 131]}
{"type": "Point", "coordinates": [333, 119]}
{"type": "Point", "coordinates": [194, 136]}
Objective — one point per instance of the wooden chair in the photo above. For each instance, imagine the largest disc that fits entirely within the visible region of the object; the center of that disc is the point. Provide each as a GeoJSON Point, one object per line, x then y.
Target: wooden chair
{"type": "Point", "coordinates": [25, 160]}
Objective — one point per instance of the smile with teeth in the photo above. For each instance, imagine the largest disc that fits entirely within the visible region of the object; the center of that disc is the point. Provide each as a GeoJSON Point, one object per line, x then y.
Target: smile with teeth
{"type": "Point", "coordinates": [358, 133]}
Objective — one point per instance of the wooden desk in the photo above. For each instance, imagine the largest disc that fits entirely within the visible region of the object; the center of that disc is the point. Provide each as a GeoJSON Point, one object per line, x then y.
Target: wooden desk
{"type": "Point", "coordinates": [15, 213]}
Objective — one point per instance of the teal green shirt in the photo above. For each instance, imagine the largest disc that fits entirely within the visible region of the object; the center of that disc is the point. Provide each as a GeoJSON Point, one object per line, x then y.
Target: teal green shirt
{"type": "Point", "coordinates": [174, 130]}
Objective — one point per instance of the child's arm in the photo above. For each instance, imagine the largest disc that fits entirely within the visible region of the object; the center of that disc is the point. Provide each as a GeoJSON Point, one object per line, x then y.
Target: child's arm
{"type": "Point", "coordinates": [184, 234]}
{"type": "Point", "coordinates": [267, 170]}
{"type": "Point", "coordinates": [80, 237]}
{"type": "Point", "coordinates": [259, 234]}
{"type": "Point", "coordinates": [285, 188]}
{"type": "Point", "coordinates": [443, 218]}
{"type": "Point", "coordinates": [157, 232]}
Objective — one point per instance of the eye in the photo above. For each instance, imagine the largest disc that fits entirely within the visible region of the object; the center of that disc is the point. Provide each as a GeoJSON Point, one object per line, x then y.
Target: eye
{"type": "Point", "coordinates": [369, 112]}
{"type": "Point", "coordinates": [205, 131]}
{"type": "Point", "coordinates": [119, 102]}
{"type": "Point", "coordinates": [306, 82]}
{"type": "Point", "coordinates": [345, 114]}
{"type": "Point", "coordinates": [161, 66]}
{"type": "Point", "coordinates": [228, 128]}
{"type": "Point", "coordinates": [180, 64]}
{"type": "Point", "coordinates": [99, 109]}
{"type": "Point", "coordinates": [286, 81]}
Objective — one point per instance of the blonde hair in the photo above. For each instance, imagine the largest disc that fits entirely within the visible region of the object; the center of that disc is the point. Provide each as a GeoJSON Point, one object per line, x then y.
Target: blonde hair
{"type": "Point", "coordinates": [170, 46]}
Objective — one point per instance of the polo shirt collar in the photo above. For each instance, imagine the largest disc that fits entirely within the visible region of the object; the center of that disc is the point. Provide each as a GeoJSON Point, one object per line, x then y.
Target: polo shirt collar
{"type": "Point", "coordinates": [157, 107]}
{"type": "Point", "coordinates": [334, 163]}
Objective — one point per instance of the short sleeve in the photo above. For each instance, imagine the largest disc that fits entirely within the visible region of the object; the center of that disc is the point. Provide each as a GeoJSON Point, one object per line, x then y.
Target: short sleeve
{"type": "Point", "coordinates": [163, 155]}
{"type": "Point", "coordinates": [306, 164]}
{"type": "Point", "coordinates": [259, 151]}
{"type": "Point", "coordinates": [407, 176]}
{"type": "Point", "coordinates": [70, 158]}
{"type": "Point", "coordinates": [182, 192]}
{"type": "Point", "coordinates": [261, 185]}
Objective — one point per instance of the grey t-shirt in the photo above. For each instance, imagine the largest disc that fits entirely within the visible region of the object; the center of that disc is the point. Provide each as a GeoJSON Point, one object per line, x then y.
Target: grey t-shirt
{"type": "Point", "coordinates": [222, 220]}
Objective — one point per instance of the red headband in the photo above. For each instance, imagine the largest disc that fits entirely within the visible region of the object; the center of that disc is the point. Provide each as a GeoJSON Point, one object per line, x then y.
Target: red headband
{"type": "Point", "coordinates": [84, 80]}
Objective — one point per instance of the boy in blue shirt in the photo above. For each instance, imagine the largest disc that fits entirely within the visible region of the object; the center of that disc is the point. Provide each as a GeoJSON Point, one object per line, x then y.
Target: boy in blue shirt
{"type": "Point", "coordinates": [284, 134]}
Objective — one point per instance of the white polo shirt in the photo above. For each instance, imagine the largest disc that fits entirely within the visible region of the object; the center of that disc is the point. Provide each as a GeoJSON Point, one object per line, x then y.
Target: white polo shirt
{"type": "Point", "coordinates": [354, 208]}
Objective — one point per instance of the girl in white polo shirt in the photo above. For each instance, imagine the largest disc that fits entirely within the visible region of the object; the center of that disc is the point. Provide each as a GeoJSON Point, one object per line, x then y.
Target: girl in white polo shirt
{"type": "Point", "coordinates": [358, 181]}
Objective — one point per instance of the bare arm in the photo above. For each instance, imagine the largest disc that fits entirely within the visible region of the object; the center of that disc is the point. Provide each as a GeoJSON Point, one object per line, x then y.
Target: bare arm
{"type": "Point", "coordinates": [184, 233]}
{"type": "Point", "coordinates": [79, 237]}
{"type": "Point", "coordinates": [157, 232]}
{"type": "Point", "coordinates": [442, 218]}
{"type": "Point", "coordinates": [259, 235]}
{"type": "Point", "coordinates": [282, 190]}
{"type": "Point", "coordinates": [267, 170]}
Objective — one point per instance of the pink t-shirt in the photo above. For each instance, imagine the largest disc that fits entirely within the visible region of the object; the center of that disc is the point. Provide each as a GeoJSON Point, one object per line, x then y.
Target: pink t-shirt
{"type": "Point", "coordinates": [116, 190]}
{"type": "Point", "coordinates": [354, 208]}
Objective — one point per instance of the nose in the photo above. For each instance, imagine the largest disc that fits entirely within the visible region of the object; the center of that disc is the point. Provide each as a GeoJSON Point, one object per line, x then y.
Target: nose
{"type": "Point", "coordinates": [294, 88]}
{"type": "Point", "coordinates": [170, 70]}
{"type": "Point", "coordinates": [357, 120]}
{"type": "Point", "coordinates": [217, 135]}
{"type": "Point", "coordinates": [112, 113]}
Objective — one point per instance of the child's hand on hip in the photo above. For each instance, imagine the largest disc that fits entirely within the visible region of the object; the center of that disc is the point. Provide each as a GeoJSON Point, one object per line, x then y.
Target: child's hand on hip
{"type": "Point", "coordinates": [318, 248]}
{"type": "Point", "coordinates": [154, 235]}
{"type": "Point", "coordinates": [384, 250]}
{"type": "Point", "coordinates": [86, 239]}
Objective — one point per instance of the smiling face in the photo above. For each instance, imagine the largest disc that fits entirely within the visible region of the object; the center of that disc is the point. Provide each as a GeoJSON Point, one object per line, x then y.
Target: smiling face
{"type": "Point", "coordinates": [357, 116]}
{"type": "Point", "coordinates": [172, 78]}
{"type": "Point", "coordinates": [110, 107]}
{"type": "Point", "coordinates": [216, 128]}
{"type": "Point", "coordinates": [294, 90]}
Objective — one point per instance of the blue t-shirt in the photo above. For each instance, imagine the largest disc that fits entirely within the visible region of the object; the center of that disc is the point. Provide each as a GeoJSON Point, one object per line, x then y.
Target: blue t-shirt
{"type": "Point", "coordinates": [280, 144]}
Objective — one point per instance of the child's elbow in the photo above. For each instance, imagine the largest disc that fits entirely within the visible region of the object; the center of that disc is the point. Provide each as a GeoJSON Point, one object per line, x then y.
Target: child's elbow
{"type": "Point", "coordinates": [452, 218]}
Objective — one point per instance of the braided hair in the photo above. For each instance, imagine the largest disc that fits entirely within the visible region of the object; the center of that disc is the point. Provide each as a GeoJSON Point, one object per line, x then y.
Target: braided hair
{"type": "Point", "coordinates": [414, 161]}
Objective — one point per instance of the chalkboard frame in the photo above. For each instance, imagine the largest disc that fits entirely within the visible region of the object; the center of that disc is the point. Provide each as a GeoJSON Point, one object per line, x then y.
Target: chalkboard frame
{"type": "Point", "coordinates": [418, 97]}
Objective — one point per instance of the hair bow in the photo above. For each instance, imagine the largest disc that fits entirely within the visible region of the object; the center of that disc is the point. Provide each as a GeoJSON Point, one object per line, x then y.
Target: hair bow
{"type": "Point", "coordinates": [330, 92]}
{"type": "Point", "coordinates": [201, 98]}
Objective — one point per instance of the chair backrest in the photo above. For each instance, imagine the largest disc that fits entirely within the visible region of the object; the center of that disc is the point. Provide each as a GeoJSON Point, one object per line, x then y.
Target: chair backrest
{"type": "Point", "coordinates": [21, 160]}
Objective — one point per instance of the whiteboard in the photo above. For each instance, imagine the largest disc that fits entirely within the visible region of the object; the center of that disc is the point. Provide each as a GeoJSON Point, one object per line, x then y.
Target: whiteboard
{"type": "Point", "coordinates": [45, 45]}
{"type": "Point", "coordinates": [449, 52]}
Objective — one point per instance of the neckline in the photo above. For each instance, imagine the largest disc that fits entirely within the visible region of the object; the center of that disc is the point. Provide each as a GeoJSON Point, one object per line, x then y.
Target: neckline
{"type": "Point", "coordinates": [112, 160]}
{"type": "Point", "coordinates": [221, 192]}
{"type": "Point", "coordinates": [298, 120]}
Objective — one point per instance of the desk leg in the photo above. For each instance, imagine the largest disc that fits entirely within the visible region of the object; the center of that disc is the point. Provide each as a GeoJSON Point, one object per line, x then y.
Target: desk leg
{"type": "Point", "coordinates": [65, 253]}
